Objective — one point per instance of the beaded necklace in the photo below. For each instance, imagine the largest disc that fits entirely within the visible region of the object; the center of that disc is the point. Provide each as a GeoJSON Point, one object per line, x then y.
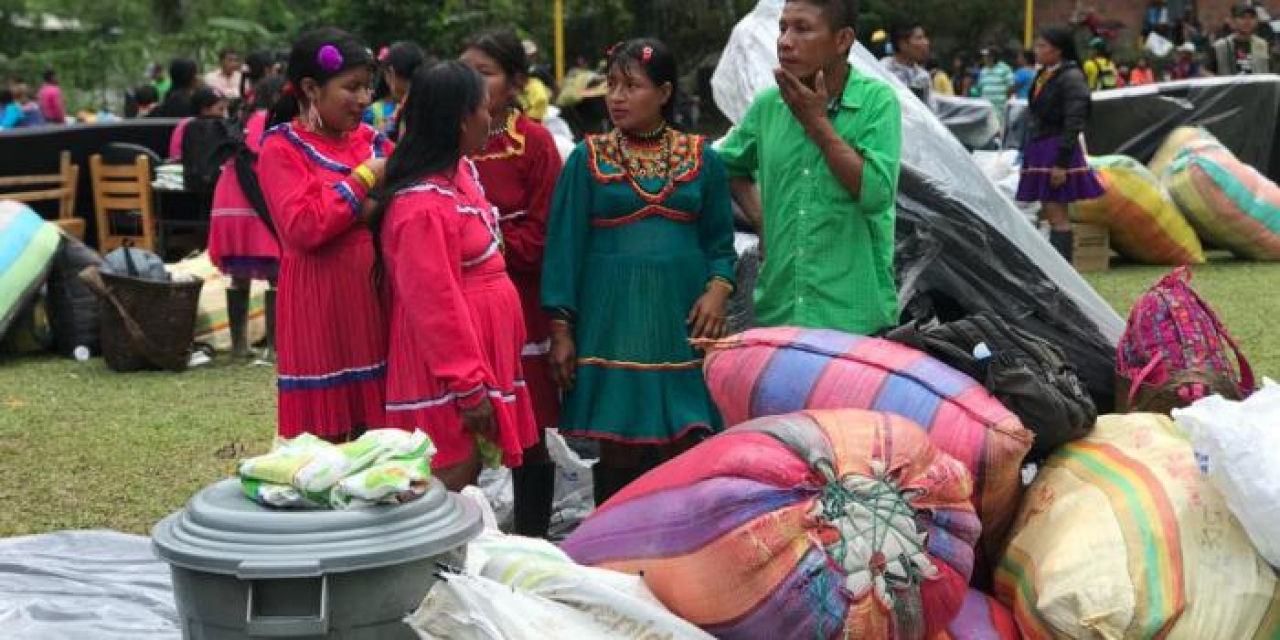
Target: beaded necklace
{"type": "Point", "coordinates": [635, 166]}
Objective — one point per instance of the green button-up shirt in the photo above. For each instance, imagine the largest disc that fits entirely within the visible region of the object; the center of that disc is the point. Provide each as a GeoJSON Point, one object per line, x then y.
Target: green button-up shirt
{"type": "Point", "coordinates": [828, 254]}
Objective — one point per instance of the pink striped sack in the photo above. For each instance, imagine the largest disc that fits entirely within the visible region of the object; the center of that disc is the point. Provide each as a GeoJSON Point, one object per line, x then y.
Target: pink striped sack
{"type": "Point", "coordinates": [778, 370]}
{"type": "Point", "coordinates": [1174, 338]}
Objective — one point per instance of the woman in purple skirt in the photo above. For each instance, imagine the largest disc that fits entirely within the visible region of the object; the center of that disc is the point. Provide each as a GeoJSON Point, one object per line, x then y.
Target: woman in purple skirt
{"type": "Point", "coordinates": [1054, 169]}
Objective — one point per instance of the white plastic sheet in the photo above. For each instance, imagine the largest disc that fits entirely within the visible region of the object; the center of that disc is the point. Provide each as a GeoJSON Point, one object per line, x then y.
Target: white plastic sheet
{"type": "Point", "coordinates": [1237, 444]}
{"type": "Point", "coordinates": [85, 585]}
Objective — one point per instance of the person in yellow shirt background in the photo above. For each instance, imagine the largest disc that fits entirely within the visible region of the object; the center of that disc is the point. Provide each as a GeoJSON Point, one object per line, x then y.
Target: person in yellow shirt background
{"type": "Point", "coordinates": [1099, 70]}
{"type": "Point", "coordinates": [536, 96]}
{"type": "Point", "coordinates": [942, 85]}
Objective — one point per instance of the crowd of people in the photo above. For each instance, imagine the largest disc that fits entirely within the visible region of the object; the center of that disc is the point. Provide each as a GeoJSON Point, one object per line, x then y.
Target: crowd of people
{"type": "Point", "coordinates": [19, 107]}
{"type": "Point", "coordinates": [435, 264]}
{"type": "Point", "coordinates": [1240, 50]}
{"type": "Point", "coordinates": [440, 267]}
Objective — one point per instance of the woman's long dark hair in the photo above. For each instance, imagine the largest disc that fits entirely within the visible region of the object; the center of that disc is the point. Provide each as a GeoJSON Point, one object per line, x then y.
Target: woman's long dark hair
{"type": "Point", "coordinates": [267, 92]}
{"type": "Point", "coordinates": [404, 58]}
{"type": "Point", "coordinates": [304, 62]}
{"type": "Point", "coordinates": [1062, 39]}
{"type": "Point", "coordinates": [257, 66]}
{"type": "Point", "coordinates": [440, 99]}
{"type": "Point", "coordinates": [659, 66]}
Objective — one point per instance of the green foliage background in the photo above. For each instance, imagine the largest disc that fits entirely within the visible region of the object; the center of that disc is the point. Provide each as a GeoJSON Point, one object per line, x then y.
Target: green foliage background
{"type": "Point", "coordinates": [117, 38]}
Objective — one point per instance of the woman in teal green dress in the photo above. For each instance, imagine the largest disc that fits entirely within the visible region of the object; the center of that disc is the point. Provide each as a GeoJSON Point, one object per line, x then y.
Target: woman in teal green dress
{"type": "Point", "coordinates": [639, 262]}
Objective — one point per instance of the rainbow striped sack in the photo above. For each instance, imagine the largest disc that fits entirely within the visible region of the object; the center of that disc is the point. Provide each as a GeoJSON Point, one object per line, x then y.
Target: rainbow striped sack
{"type": "Point", "coordinates": [27, 247]}
{"type": "Point", "coordinates": [1144, 223]}
{"type": "Point", "coordinates": [779, 370]}
{"type": "Point", "coordinates": [1121, 537]}
{"type": "Point", "coordinates": [823, 524]}
{"type": "Point", "coordinates": [1229, 203]}
{"type": "Point", "coordinates": [1179, 139]}
{"type": "Point", "coordinates": [981, 618]}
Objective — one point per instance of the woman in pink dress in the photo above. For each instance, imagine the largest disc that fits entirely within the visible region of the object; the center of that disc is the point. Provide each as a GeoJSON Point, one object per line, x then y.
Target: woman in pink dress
{"type": "Point", "coordinates": [317, 166]}
{"type": "Point", "coordinates": [242, 242]}
{"type": "Point", "coordinates": [456, 331]}
{"type": "Point", "coordinates": [518, 168]}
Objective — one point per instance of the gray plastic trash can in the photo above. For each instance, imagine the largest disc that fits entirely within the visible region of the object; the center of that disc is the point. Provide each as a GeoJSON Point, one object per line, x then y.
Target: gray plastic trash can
{"type": "Point", "coordinates": [245, 571]}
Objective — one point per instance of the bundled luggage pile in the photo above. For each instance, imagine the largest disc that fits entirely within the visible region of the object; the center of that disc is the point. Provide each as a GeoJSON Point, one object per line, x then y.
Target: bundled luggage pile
{"type": "Point", "coordinates": [960, 484]}
{"type": "Point", "coordinates": [1195, 191]}
{"type": "Point", "coordinates": [954, 481]}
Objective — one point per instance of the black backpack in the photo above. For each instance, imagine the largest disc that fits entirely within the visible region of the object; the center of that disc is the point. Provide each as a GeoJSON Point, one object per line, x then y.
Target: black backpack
{"type": "Point", "coordinates": [207, 143]}
{"type": "Point", "coordinates": [1028, 374]}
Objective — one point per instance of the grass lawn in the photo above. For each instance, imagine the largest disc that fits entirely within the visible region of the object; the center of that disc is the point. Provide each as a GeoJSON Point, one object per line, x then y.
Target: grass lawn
{"type": "Point", "coordinates": [82, 447]}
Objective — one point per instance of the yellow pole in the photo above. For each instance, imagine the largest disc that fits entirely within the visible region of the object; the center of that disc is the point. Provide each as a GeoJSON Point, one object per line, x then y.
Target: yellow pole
{"type": "Point", "coordinates": [559, 28]}
{"type": "Point", "coordinates": [1026, 32]}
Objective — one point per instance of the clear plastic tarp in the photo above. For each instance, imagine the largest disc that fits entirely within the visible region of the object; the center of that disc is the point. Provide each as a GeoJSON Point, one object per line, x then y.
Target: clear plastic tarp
{"type": "Point", "coordinates": [973, 121]}
{"type": "Point", "coordinates": [82, 585]}
{"type": "Point", "coordinates": [1239, 110]}
{"type": "Point", "coordinates": [961, 243]}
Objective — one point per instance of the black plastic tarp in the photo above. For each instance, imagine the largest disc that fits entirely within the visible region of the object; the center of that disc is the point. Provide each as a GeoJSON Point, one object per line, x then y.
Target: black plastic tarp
{"type": "Point", "coordinates": [960, 242]}
{"type": "Point", "coordinates": [1240, 111]}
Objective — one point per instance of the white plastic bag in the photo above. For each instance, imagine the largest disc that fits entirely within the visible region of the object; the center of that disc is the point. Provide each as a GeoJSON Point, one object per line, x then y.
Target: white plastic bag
{"type": "Point", "coordinates": [574, 492]}
{"type": "Point", "coordinates": [500, 493]}
{"type": "Point", "coordinates": [516, 588]}
{"type": "Point", "coordinates": [1238, 446]}
{"type": "Point", "coordinates": [1158, 45]}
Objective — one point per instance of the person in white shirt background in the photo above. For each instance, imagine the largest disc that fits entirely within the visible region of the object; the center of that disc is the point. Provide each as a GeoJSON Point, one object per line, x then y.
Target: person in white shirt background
{"type": "Point", "coordinates": [226, 78]}
{"type": "Point", "coordinates": [910, 51]}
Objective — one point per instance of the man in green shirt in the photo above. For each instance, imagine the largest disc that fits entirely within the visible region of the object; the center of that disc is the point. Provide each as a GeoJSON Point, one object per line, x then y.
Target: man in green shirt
{"type": "Point", "coordinates": [823, 147]}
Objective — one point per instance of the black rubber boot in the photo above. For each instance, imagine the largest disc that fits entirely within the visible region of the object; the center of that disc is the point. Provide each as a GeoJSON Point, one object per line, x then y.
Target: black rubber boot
{"type": "Point", "coordinates": [1063, 241]}
{"type": "Point", "coordinates": [535, 488]}
{"type": "Point", "coordinates": [267, 354]}
{"type": "Point", "coordinates": [610, 480]}
{"type": "Point", "coordinates": [238, 321]}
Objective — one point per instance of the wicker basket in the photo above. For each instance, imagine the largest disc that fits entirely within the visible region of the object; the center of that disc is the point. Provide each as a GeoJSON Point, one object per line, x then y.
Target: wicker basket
{"type": "Point", "coordinates": [146, 324]}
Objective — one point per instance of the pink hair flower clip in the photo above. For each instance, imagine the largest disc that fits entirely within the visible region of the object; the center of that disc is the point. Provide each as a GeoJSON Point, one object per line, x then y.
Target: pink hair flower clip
{"type": "Point", "coordinates": [646, 53]}
{"type": "Point", "coordinates": [329, 58]}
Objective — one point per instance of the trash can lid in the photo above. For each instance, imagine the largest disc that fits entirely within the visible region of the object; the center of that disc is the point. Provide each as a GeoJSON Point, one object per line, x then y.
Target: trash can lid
{"type": "Point", "coordinates": [222, 531]}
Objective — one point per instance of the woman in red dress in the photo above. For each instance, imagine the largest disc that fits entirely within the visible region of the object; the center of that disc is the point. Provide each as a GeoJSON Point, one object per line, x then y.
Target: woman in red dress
{"type": "Point", "coordinates": [518, 169]}
{"type": "Point", "coordinates": [317, 165]}
{"type": "Point", "coordinates": [456, 328]}
{"type": "Point", "coordinates": [241, 244]}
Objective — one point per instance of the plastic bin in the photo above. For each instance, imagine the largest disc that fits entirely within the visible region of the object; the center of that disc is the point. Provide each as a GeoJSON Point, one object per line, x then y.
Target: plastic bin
{"type": "Point", "coordinates": [241, 570]}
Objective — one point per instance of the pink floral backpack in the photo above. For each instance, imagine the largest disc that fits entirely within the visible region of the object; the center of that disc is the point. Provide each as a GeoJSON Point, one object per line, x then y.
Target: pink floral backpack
{"type": "Point", "coordinates": [1174, 338]}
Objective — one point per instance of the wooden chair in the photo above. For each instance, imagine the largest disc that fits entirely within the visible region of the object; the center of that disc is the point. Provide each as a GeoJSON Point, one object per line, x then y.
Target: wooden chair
{"type": "Point", "coordinates": [59, 186]}
{"type": "Point", "coordinates": [122, 198]}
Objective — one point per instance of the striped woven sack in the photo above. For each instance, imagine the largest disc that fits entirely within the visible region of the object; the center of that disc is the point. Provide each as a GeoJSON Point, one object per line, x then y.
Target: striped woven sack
{"type": "Point", "coordinates": [981, 618]}
{"type": "Point", "coordinates": [1230, 204]}
{"type": "Point", "coordinates": [824, 524]}
{"type": "Point", "coordinates": [1120, 536]}
{"type": "Point", "coordinates": [1179, 139]}
{"type": "Point", "coordinates": [779, 370]}
{"type": "Point", "coordinates": [1144, 224]}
